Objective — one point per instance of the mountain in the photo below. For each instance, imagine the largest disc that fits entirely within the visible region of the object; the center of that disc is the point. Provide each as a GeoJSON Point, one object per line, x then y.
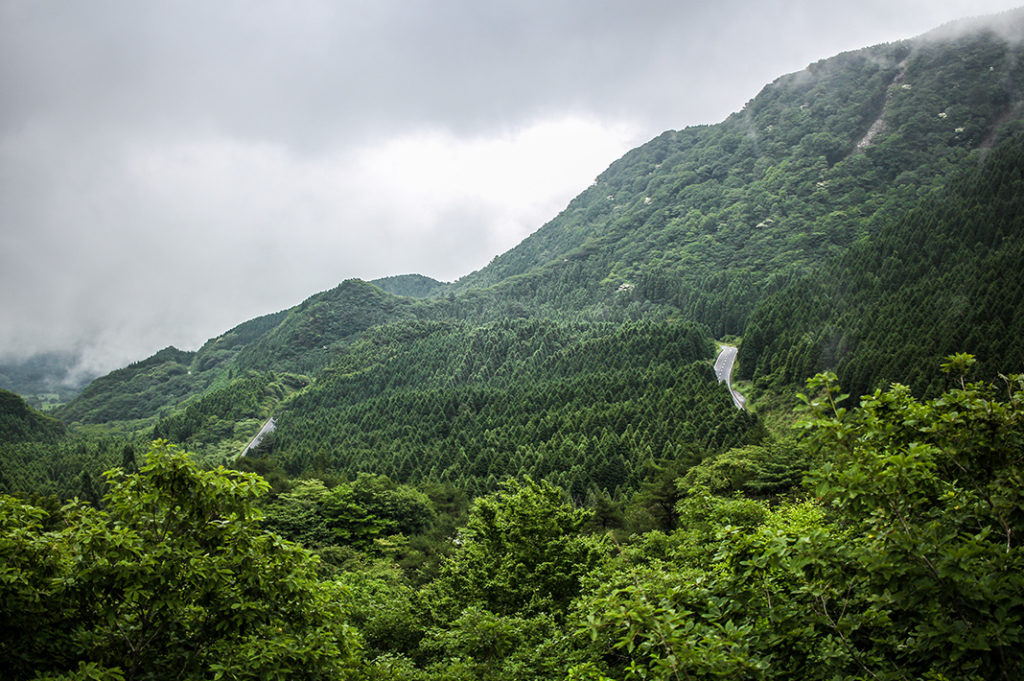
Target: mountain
{"type": "Point", "coordinates": [145, 388]}
{"type": "Point", "coordinates": [847, 217]}
{"type": "Point", "coordinates": [702, 219]}
{"type": "Point", "coordinates": [19, 422]}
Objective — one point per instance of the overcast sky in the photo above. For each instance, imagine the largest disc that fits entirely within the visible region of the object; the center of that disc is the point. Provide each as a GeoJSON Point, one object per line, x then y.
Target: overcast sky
{"type": "Point", "coordinates": [171, 169]}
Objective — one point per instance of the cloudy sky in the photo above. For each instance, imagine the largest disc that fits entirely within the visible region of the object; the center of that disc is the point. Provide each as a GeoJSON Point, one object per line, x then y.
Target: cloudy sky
{"type": "Point", "coordinates": [170, 169]}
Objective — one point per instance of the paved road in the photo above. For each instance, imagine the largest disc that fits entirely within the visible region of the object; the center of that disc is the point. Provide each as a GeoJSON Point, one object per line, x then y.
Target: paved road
{"type": "Point", "coordinates": [267, 427]}
{"type": "Point", "coordinates": [723, 370]}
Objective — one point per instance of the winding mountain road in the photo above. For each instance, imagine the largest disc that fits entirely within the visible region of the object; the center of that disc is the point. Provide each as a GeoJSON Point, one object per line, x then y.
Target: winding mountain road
{"type": "Point", "coordinates": [723, 370]}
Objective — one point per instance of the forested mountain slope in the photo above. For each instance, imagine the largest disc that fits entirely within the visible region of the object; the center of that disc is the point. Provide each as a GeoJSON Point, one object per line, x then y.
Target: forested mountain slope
{"type": "Point", "coordinates": [138, 390]}
{"type": "Point", "coordinates": [697, 225]}
{"type": "Point", "coordinates": [584, 405]}
{"type": "Point", "coordinates": [142, 389]}
{"type": "Point", "coordinates": [701, 219]}
{"type": "Point", "coordinates": [20, 422]}
{"type": "Point", "coordinates": [412, 285]}
{"type": "Point", "coordinates": [901, 560]}
{"type": "Point", "coordinates": [943, 277]}
{"type": "Point", "coordinates": [299, 339]}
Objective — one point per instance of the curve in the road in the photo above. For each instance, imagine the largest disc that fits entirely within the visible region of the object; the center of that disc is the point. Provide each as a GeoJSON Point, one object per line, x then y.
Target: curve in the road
{"type": "Point", "coordinates": [723, 370]}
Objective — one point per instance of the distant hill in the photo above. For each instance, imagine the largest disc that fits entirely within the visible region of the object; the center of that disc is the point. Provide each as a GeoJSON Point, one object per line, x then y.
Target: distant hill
{"type": "Point", "coordinates": [136, 391]}
{"type": "Point", "coordinates": [21, 423]}
{"type": "Point", "coordinates": [143, 389]}
{"type": "Point", "coordinates": [412, 285]}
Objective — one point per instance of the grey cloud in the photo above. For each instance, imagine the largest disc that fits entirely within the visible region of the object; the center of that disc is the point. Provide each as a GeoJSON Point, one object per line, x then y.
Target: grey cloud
{"type": "Point", "coordinates": [302, 72]}
{"type": "Point", "coordinates": [169, 169]}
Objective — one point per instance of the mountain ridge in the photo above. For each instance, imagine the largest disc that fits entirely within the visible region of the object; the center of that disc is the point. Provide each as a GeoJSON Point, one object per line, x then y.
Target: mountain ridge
{"type": "Point", "coordinates": [700, 223]}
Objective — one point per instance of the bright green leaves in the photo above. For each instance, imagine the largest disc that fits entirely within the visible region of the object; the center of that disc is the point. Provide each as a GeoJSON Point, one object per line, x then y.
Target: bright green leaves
{"type": "Point", "coordinates": [499, 604]}
{"type": "Point", "coordinates": [959, 364]}
{"type": "Point", "coordinates": [362, 514]}
{"type": "Point", "coordinates": [932, 491]}
{"type": "Point", "coordinates": [521, 552]}
{"type": "Point", "coordinates": [494, 646]}
{"type": "Point", "coordinates": [33, 567]}
{"type": "Point", "coordinates": [736, 592]}
{"type": "Point", "coordinates": [173, 579]}
{"type": "Point", "coordinates": [907, 565]}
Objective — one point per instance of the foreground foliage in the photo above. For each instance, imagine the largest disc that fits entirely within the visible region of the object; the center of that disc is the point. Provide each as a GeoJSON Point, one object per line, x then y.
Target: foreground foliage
{"type": "Point", "coordinates": [171, 579]}
{"type": "Point", "coordinates": [901, 559]}
{"type": "Point", "coordinates": [906, 563]}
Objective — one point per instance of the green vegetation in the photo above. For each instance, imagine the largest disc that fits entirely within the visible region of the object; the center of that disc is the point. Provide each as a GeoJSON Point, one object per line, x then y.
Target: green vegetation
{"type": "Point", "coordinates": [20, 422]}
{"type": "Point", "coordinates": [142, 390]}
{"type": "Point", "coordinates": [220, 423]}
{"type": "Point", "coordinates": [582, 405]}
{"type": "Point", "coordinates": [62, 469]}
{"type": "Point", "coordinates": [941, 277]}
{"type": "Point", "coordinates": [705, 220]}
{"type": "Point", "coordinates": [172, 578]}
{"type": "Point", "coordinates": [137, 391]}
{"type": "Point", "coordinates": [412, 285]}
{"type": "Point", "coordinates": [900, 558]}
{"type": "Point", "coordinates": [532, 472]}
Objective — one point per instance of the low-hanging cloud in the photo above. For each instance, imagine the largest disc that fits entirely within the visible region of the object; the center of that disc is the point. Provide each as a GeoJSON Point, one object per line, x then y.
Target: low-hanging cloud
{"type": "Point", "coordinates": [180, 238]}
{"type": "Point", "coordinates": [168, 170]}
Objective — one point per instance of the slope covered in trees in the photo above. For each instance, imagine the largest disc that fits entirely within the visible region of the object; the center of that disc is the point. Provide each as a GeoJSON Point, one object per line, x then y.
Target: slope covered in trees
{"type": "Point", "coordinates": [702, 219]}
{"type": "Point", "coordinates": [586, 405]}
{"type": "Point", "coordinates": [296, 340]}
{"type": "Point", "coordinates": [942, 277]}
{"type": "Point", "coordinates": [145, 388]}
{"type": "Point", "coordinates": [412, 285]}
{"type": "Point", "coordinates": [20, 423]}
{"type": "Point", "coordinates": [137, 391]}
{"type": "Point", "coordinates": [221, 422]}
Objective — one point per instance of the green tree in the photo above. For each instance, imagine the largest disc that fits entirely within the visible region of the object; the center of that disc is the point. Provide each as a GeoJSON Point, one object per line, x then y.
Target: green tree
{"type": "Point", "coordinates": [172, 579]}
{"type": "Point", "coordinates": [934, 491]}
{"type": "Point", "coordinates": [522, 551]}
{"type": "Point", "coordinates": [906, 564]}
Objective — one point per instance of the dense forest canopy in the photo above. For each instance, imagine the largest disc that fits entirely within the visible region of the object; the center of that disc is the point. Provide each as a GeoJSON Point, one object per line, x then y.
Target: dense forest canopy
{"type": "Point", "coordinates": [900, 559]}
{"type": "Point", "coordinates": [534, 473]}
